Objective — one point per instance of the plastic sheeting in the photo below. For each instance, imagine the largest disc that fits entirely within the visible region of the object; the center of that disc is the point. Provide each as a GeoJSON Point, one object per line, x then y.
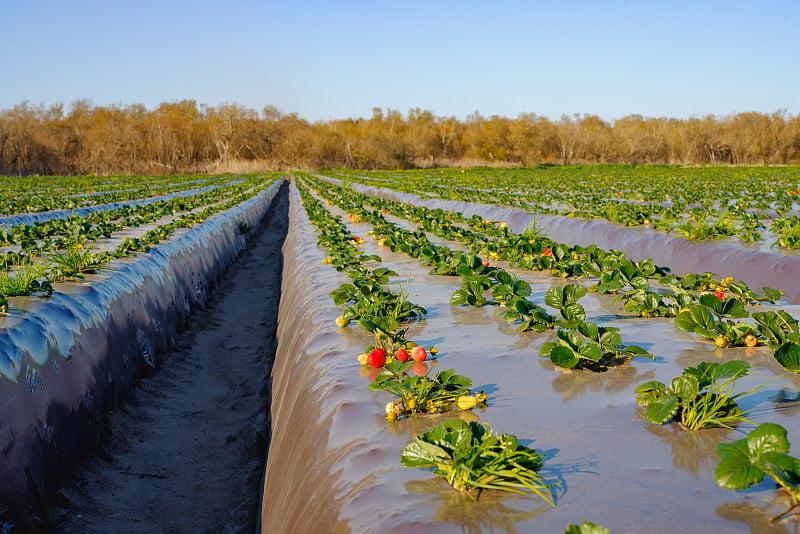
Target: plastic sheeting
{"type": "Point", "coordinates": [334, 462]}
{"type": "Point", "coordinates": [758, 268]}
{"type": "Point", "coordinates": [67, 359]}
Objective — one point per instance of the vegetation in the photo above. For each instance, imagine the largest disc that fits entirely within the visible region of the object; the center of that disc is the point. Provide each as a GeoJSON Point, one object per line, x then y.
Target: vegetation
{"type": "Point", "coordinates": [701, 397]}
{"type": "Point", "coordinates": [470, 457]}
{"type": "Point", "coordinates": [184, 137]}
{"type": "Point", "coordinates": [763, 452]}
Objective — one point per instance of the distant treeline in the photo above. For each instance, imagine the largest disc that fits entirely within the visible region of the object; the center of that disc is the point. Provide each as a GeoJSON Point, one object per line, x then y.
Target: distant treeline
{"type": "Point", "coordinates": [184, 137]}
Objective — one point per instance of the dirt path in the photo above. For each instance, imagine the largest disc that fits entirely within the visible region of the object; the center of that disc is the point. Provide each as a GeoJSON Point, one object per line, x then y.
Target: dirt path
{"type": "Point", "coordinates": [186, 454]}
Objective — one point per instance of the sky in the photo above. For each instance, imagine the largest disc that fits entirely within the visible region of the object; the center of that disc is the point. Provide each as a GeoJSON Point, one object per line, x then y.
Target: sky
{"type": "Point", "coordinates": [334, 60]}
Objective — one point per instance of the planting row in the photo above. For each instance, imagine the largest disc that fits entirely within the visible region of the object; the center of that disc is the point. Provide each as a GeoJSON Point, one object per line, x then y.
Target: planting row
{"type": "Point", "coordinates": [699, 303]}
{"type": "Point", "coordinates": [70, 356]}
{"type": "Point", "coordinates": [35, 195]}
{"type": "Point", "coordinates": [748, 204]}
{"type": "Point", "coordinates": [40, 254]}
{"type": "Point", "coordinates": [662, 402]}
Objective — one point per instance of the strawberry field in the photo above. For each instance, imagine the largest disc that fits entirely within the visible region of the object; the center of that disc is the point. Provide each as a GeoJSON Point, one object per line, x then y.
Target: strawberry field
{"type": "Point", "coordinates": [558, 380]}
{"type": "Point", "coordinates": [98, 276]}
{"type": "Point", "coordinates": [467, 350]}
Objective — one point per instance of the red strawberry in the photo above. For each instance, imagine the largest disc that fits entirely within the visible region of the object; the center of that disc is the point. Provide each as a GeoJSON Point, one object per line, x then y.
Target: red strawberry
{"type": "Point", "coordinates": [376, 358]}
{"type": "Point", "coordinates": [547, 252]}
{"type": "Point", "coordinates": [719, 294]}
{"type": "Point", "coordinates": [485, 263]}
{"type": "Point", "coordinates": [418, 354]}
{"type": "Point", "coordinates": [402, 355]}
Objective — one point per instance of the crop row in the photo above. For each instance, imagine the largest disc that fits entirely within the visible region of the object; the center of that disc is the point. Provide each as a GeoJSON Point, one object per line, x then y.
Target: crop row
{"type": "Point", "coordinates": [693, 203]}
{"type": "Point", "coordinates": [701, 397]}
{"type": "Point", "coordinates": [469, 456]}
{"type": "Point", "coordinates": [40, 194]}
{"type": "Point", "coordinates": [38, 255]}
{"type": "Point", "coordinates": [699, 303]}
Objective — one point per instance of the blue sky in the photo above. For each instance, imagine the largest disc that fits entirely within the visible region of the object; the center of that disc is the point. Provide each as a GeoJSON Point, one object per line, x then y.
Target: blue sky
{"type": "Point", "coordinates": [326, 60]}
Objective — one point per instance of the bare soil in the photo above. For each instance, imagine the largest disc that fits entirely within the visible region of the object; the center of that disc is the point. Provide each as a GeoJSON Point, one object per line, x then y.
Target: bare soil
{"type": "Point", "coordinates": [187, 452]}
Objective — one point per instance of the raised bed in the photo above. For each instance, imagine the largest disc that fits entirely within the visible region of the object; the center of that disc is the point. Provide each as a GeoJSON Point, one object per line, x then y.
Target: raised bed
{"type": "Point", "coordinates": [334, 461]}
{"type": "Point", "coordinates": [67, 359]}
{"type": "Point", "coordinates": [758, 267]}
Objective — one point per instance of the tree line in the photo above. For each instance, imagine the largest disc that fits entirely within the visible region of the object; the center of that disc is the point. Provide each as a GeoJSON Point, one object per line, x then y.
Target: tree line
{"type": "Point", "coordinates": [179, 137]}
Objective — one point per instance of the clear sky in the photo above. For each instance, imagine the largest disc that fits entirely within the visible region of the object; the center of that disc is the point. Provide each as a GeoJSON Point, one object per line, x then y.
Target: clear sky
{"type": "Point", "coordinates": [327, 60]}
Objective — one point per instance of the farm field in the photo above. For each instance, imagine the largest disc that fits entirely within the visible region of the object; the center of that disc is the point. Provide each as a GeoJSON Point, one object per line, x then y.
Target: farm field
{"type": "Point", "coordinates": [99, 275]}
{"type": "Point", "coordinates": [614, 328]}
{"type": "Point", "coordinates": [581, 353]}
{"type": "Point", "coordinates": [752, 206]}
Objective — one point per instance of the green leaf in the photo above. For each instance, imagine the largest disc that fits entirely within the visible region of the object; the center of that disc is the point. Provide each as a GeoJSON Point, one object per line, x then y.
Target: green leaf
{"type": "Point", "coordinates": [554, 297]}
{"type": "Point", "coordinates": [591, 351]}
{"type": "Point", "coordinates": [767, 437]}
{"type": "Point", "coordinates": [648, 392]}
{"type": "Point", "coordinates": [662, 409]}
{"type": "Point", "coordinates": [736, 470]}
{"type": "Point", "coordinates": [572, 293]}
{"type": "Point", "coordinates": [696, 320]}
{"type": "Point", "coordinates": [788, 355]}
{"type": "Point", "coordinates": [564, 357]}
{"type": "Point", "coordinates": [458, 298]}
{"type": "Point", "coordinates": [685, 387]}
{"type": "Point", "coordinates": [421, 453]}
{"type": "Point", "coordinates": [586, 528]}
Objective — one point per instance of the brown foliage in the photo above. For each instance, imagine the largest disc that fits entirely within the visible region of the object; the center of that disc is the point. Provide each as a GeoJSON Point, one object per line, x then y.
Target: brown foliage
{"type": "Point", "coordinates": [182, 137]}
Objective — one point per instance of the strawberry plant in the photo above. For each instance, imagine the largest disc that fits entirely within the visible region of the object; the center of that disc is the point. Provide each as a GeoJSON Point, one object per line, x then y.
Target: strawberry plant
{"type": "Point", "coordinates": [698, 319]}
{"type": "Point", "coordinates": [788, 230]}
{"type": "Point", "coordinates": [422, 394]}
{"type": "Point", "coordinates": [589, 347]}
{"type": "Point", "coordinates": [471, 292]}
{"type": "Point", "coordinates": [472, 458]}
{"type": "Point", "coordinates": [77, 260]}
{"type": "Point", "coordinates": [531, 317]}
{"type": "Point", "coordinates": [25, 278]}
{"type": "Point", "coordinates": [701, 397]}
{"type": "Point", "coordinates": [565, 300]}
{"type": "Point", "coordinates": [586, 528]}
{"type": "Point", "coordinates": [763, 452]}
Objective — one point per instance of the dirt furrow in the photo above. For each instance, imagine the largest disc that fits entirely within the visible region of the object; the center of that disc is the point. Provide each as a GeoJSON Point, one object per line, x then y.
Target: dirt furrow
{"type": "Point", "coordinates": [186, 453]}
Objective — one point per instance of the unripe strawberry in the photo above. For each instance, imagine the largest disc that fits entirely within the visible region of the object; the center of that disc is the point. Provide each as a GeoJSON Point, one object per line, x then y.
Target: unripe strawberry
{"type": "Point", "coordinates": [402, 355]}
{"type": "Point", "coordinates": [376, 358]}
{"type": "Point", "coordinates": [720, 341]}
{"type": "Point", "coordinates": [362, 358]}
{"type": "Point", "coordinates": [750, 340]}
{"type": "Point", "coordinates": [467, 402]}
{"type": "Point", "coordinates": [341, 322]}
{"type": "Point", "coordinates": [418, 354]}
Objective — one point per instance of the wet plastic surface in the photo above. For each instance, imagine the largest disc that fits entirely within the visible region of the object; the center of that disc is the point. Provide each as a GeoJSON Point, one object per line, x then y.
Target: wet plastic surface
{"type": "Point", "coordinates": [753, 264]}
{"type": "Point", "coordinates": [66, 359]}
{"type": "Point", "coordinates": [334, 461]}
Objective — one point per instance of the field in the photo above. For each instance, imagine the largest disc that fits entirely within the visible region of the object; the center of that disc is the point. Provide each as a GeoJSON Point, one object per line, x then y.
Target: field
{"type": "Point", "coordinates": [625, 374]}
{"type": "Point", "coordinates": [618, 329]}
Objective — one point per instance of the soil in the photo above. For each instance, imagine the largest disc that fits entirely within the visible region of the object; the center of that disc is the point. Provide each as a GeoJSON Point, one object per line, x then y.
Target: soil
{"type": "Point", "coordinates": [187, 452]}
